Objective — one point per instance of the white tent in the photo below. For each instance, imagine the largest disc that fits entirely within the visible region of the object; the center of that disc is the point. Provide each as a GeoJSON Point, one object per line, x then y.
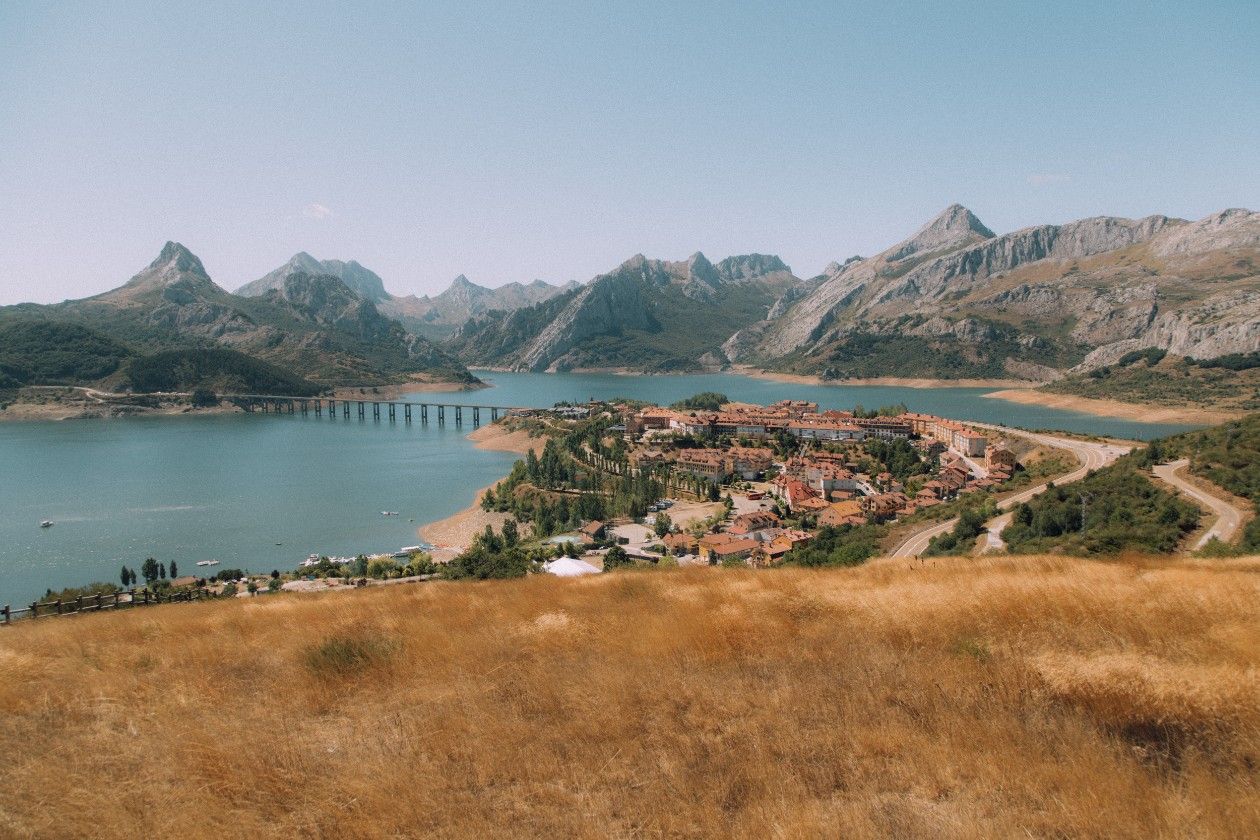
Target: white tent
{"type": "Point", "coordinates": [569, 567]}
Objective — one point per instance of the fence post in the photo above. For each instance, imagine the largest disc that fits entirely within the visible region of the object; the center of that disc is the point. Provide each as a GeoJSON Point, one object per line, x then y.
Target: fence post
{"type": "Point", "coordinates": [34, 609]}
{"type": "Point", "coordinates": [98, 602]}
{"type": "Point", "coordinates": [6, 613]}
{"type": "Point", "coordinates": [58, 606]}
{"type": "Point", "coordinates": [78, 604]}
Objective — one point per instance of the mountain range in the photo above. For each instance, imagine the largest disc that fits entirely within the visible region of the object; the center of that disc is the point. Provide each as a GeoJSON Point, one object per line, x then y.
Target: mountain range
{"type": "Point", "coordinates": [436, 317]}
{"type": "Point", "coordinates": [954, 300]}
{"type": "Point", "coordinates": [309, 330]}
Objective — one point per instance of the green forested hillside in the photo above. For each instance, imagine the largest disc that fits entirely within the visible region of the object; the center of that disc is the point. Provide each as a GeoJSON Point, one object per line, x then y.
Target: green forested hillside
{"type": "Point", "coordinates": [217, 368]}
{"type": "Point", "coordinates": [39, 352]}
{"type": "Point", "coordinates": [1112, 510]}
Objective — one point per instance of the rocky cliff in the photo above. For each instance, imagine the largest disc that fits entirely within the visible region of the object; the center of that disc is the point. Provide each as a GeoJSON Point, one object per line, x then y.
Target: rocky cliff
{"type": "Point", "coordinates": [963, 301]}
{"type": "Point", "coordinates": [644, 315]}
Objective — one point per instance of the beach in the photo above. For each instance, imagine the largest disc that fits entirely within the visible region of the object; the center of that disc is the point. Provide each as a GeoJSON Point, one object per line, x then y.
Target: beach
{"type": "Point", "coordinates": [453, 534]}
{"type": "Point", "coordinates": [891, 381]}
{"type": "Point", "coordinates": [1115, 408]}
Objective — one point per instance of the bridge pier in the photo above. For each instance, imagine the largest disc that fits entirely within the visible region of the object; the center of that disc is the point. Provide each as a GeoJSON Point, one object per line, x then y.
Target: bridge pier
{"type": "Point", "coordinates": [391, 412]}
{"type": "Point", "coordinates": [345, 409]}
{"type": "Point", "coordinates": [424, 413]}
{"type": "Point", "coordinates": [292, 408]}
{"type": "Point", "coordinates": [476, 416]}
{"type": "Point", "coordinates": [441, 414]}
{"type": "Point", "coordinates": [407, 412]}
{"type": "Point", "coordinates": [319, 408]}
{"type": "Point", "coordinates": [494, 415]}
{"type": "Point", "coordinates": [459, 415]}
{"type": "Point", "coordinates": [305, 408]}
{"type": "Point", "coordinates": [376, 411]}
{"type": "Point", "coordinates": [360, 409]}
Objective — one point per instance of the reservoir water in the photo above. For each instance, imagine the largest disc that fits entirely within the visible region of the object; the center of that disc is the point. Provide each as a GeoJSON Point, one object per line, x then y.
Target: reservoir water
{"type": "Point", "coordinates": [262, 491]}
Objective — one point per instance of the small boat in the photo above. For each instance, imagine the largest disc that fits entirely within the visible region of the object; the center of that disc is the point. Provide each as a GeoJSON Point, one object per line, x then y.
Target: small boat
{"type": "Point", "coordinates": [207, 562]}
{"type": "Point", "coordinates": [47, 523]}
{"type": "Point", "coordinates": [389, 513]}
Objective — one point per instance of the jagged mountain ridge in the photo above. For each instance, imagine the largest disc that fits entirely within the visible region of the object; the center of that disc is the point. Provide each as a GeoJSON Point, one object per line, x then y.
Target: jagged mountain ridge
{"type": "Point", "coordinates": [441, 315]}
{"type": "Point", "coordinates": [645, 315]}
{"type": "Point", "coordinates": [363, 281]}
{"type": "Point", "coordinates": [313, 325]}
{"type": "Point", "coordinates": [962, 301]}
{"type": "Point", "coordinates": [435, 317]}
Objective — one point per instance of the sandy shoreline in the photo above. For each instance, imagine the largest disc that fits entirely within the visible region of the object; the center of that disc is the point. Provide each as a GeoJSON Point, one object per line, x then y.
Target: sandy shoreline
{"type": "Point", "coordinates": [895, 381]}
{"type": "Point", "coordinates": [453, 534]}
{"type": "Point", "coordinates": [1115, 408]}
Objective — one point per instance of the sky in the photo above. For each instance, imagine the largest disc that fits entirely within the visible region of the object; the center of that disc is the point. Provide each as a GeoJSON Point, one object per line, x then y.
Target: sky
{"type": "Point", "coordinates": [514, 141]}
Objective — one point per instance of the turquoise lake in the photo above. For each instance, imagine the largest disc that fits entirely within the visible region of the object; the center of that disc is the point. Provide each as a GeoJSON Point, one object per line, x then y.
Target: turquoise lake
{"type": "Point", "coordinates": [261, 491]}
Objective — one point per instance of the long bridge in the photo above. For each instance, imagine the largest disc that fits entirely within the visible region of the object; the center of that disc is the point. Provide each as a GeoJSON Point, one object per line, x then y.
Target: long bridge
{"type": "Point", "coordinates": [272, 403]}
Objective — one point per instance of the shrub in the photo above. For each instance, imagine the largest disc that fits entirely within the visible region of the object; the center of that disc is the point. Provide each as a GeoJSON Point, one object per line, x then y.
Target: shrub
{"type": "Point", "coordinates": [342, 656]}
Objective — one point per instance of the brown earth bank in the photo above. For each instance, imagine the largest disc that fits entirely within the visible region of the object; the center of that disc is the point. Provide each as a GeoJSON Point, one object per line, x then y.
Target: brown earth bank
{"type": "Point", "coordinates": [1045, 697]}
{"type": "Point", "coordinates": [455, 533]}
{"type": "Point", "coordinates": [499, 437]}
{"type": "Point", "coordinates": [416, 385]}
{"type": "Point", "coordinates": [1115, 408]}
{"type": "Point", "coordinates": [804, 379]}
{"type": "Point", "coordinates": [48, 403]}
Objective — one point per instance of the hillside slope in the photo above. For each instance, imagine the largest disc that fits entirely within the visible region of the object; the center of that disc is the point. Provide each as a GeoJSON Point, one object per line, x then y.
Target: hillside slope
{"type": "Point", "coordinates": [1030, 697]}
{"type": "Point", "coordinates": [646, 315]}
{"type": "Point", "coordinates": [957, 300]}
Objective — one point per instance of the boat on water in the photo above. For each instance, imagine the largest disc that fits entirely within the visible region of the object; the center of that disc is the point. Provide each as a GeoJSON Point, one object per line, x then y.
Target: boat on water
{"type": "Point", "coordinates": [47, 523]}
{"type": "Point", "coordinates": [389, 513]}
{"type": "Point", "coordinates": [207, 562]}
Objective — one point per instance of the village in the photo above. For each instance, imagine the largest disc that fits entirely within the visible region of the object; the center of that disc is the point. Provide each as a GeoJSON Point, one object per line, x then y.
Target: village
{"type": "Point", "coordinates": [748, 485]}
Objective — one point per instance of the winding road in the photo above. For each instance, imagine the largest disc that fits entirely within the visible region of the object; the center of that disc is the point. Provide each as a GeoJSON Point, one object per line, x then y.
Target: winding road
{"type": "Point", "coordinates": [1092, 456]}
{"type": "Point", "coordinates": [1228, 517]}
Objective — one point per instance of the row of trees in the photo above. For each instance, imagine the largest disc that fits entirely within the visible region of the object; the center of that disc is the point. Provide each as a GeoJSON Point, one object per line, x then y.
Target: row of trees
{"type": "Point", "coordinates": [152, 571]}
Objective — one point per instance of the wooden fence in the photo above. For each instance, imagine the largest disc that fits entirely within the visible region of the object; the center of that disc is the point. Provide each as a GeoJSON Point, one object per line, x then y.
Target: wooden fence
{"type": "Point", "coordinates": [99, 602]}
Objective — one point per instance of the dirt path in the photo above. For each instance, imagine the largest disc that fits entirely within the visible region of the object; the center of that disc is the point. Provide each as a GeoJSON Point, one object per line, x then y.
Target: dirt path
{"type": "Point", "coordinates": [1091, 456]}
{"type": "Point", "coordinates": [1229, 518]}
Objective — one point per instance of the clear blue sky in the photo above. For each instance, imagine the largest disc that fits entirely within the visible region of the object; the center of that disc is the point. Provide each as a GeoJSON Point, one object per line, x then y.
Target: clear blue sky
{"type": "Point", "coordinates": [509, 142]}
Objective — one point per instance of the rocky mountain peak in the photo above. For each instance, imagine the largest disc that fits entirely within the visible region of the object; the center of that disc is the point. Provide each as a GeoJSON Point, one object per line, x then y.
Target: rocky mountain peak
{"type": "Point", "coordinates": [751, 266]}
{"type": "Point", "coordinates": [176, 256]}
{"type": "Point", "coordinates": [954, 227]}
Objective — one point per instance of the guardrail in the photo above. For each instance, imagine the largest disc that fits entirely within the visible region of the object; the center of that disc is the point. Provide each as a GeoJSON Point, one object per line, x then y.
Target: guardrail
{"type": "Point", "coordinates": [103, 601]}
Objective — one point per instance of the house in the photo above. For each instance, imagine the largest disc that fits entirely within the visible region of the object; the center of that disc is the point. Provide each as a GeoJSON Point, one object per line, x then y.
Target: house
{"type": "Point", "coordinates": [681, 543]}
{"type": "Point", "coordinates": [1000, 456]}
{"type": "Point", "coordinates": [748, 524]}
{"type": "Point", "coordinates": [748, 462]}
{"type": "Point", "coordinates": [593, 530]}
{"type": "Point", "coordinates": [730, 548]}
{"type": "Point", "coordinates": [842, 513]}
{"type": "Point", "coordinates": [786, 541]}
{"type": "Point", "coordinates": [704, 463]}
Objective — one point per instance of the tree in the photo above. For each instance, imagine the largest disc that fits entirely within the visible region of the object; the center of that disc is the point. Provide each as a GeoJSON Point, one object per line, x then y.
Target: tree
{"type": "Point", "coordinates": [616, 558]}
{"type": "Point", "coordinates": [251, 588]}
{"type": "Point", "coordinates": [174, 572]}
{"type": "Point", "coordinates": [149, 569]}
{"type": "Point", "coordinates": [204, 398]}
{"type": "Point", "coordinates": [125, 576]}
{"type": "Point", "coordinates": [663, 524]}
{"type": "Point", "coordinates": [273, 585]}
{"type": "Point", "coordinates": [511, 536]}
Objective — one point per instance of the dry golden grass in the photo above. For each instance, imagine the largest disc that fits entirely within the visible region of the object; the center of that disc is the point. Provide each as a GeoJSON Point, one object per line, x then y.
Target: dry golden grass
{"type": "Point", "coordinates": [985, 698]}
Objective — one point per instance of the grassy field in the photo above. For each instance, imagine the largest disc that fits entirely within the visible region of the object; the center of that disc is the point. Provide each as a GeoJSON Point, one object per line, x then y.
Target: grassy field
{"type": "Point", "coordinates": [1042, 697]}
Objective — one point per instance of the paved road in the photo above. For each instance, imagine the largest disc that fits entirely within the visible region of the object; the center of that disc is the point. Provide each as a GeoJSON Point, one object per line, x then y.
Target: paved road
{"type": "Point", "coordinates": [1228, 517]}
{"type": "Point", "coordinates": [1092, 456]}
